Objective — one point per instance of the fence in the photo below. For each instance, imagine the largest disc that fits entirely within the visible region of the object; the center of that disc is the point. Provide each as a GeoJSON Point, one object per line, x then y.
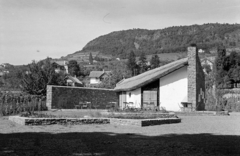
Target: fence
{"type": "Point", "coordinates": [11, 104]}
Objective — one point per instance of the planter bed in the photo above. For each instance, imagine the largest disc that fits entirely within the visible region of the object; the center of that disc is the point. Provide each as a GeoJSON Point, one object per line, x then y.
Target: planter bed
{"type": "Point", "coordinates": [62, 121]}
{"type": "Point", "coordinates": [81, 121]}
{"type": "Point", "coordinates": [144, 122]}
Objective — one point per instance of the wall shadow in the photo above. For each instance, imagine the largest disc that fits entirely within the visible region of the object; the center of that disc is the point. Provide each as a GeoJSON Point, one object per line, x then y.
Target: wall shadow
{"type": "Point", "coordinates": [102, 143]}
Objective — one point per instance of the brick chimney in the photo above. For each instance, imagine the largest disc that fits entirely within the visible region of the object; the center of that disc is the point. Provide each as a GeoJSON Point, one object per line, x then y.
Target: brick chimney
{"type": "Point", "coordinates": [196, 80]}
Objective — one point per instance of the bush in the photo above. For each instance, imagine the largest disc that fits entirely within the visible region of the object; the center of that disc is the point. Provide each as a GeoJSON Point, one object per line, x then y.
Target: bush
{"type": "Point", "coordinates": [210, 104]}
{"type": "Point", "coordinates": [139, 110]}
{"type": "Point", "coordinates": [232, 104]}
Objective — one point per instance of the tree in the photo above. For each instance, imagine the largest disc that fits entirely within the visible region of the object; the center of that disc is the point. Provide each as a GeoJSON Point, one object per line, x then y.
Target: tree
{"type": "Point", "coordinates": [236, 74]}
{"type": "Point", "coordinates": [12, 79]}
{"type": "Point", "coordinates": [40, 75]}
{"type": "Point", "coordinates": [142, 63]}
{"type": "Point", "coordinates": [234, 66]}
{"type": "Point", "coordinates": [219, 67]}
{"type": "Point", "coordinates": [155, 61]}
{"type": "Point", "coordinates": [131, 63]}
{"type": "Point", "coordinates": [221, 77]}
{"type": "Point", "coordinates": [73, 68]}
{"type": "Point", "coordinates": [90, 59]}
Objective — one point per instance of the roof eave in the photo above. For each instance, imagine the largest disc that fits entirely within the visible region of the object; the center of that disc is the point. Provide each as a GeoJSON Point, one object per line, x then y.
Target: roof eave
{"type": "Point", "coordinates": [153, 79]}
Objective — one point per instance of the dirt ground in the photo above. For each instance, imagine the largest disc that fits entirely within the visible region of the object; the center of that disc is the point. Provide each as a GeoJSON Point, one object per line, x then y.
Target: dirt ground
{"type": "Point", "coordinates": [195, 135]}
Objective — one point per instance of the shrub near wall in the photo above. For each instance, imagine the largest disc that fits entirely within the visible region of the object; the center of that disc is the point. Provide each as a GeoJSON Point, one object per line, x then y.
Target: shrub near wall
{"type": "Point", "coordinates": [232, 104]}
{"type": "Point", "coordinates": [62, 97]}
{"type": "Point", "coordinates": [15, 103]}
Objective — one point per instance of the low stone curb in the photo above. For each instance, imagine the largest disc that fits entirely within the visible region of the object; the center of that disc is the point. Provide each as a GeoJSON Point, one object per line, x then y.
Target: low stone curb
{"type": "Point", "coordinates": [137, 115]}
{"type": "Point", "coordinates": [203, 113]}
{"type": "Point", "coordinates": [224, 113]}
{"type": "Point", "coordinates": [81, 121]}
{"type": "Point", "coordinates": [144, 122]}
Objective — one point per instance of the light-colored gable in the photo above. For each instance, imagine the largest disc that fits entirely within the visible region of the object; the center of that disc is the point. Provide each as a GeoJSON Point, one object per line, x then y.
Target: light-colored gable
{"type": "Point", "coordinates": [174, 89]}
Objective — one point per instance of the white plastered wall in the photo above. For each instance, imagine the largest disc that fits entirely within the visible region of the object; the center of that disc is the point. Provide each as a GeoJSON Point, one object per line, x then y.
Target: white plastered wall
{"type": "Point", "coordinates": [174, 89]}
{"type": "Point", "coordinates": [135, 97]}
{"type": "Point", "coordinates": [94, 80]}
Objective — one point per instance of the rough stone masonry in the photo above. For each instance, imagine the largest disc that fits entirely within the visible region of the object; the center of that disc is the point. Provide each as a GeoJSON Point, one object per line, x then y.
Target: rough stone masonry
{"type": "Point", "coordinates": [196, 80]}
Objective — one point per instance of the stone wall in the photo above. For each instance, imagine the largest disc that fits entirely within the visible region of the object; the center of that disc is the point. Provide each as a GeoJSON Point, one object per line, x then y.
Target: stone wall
{"type": "Point", "coordinates": [63, 97]}
{"type": "Point", "coordinates": [196, 80]}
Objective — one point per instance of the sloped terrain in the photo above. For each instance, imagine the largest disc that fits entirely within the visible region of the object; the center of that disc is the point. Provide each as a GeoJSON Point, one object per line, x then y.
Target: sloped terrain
{"type": "Point", "coordinates": [168, 40]}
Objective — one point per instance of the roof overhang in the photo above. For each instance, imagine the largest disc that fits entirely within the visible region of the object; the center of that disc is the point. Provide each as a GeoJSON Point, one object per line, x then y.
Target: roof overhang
{"type": "Point", "coordinates": [124, 86]}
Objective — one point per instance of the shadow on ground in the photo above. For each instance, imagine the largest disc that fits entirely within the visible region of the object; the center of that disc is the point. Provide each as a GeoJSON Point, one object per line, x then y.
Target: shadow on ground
{"type": "Point", "coordinates": [99, 143]}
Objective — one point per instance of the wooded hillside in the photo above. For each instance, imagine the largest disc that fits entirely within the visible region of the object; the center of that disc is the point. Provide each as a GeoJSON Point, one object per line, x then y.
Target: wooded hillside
{"type": "Point", "coordinates": [168, 40]}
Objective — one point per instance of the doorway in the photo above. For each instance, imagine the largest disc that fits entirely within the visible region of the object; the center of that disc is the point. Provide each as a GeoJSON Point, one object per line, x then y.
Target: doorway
{"type": "Point", "coordinates": [122, 99]}
{"type": "Point", "coordinates": [150, 95]}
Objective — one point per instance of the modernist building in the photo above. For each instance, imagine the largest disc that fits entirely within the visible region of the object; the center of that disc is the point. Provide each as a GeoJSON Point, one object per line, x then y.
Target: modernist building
{"type": "Point", "coordinates": [169, 86]}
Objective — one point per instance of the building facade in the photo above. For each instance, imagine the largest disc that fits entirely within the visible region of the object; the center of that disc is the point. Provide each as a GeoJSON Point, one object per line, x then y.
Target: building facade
{"type": "Point", "coordinates": [168, 87]}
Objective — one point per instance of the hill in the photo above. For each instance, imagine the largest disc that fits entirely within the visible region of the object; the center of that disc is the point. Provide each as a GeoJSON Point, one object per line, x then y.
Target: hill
{"type": "Point", "coordinates": [169, 40]}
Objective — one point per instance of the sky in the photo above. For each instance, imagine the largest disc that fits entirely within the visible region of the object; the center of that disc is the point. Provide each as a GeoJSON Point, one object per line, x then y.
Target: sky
{"type": "Point", "coordinates": [36, 29]}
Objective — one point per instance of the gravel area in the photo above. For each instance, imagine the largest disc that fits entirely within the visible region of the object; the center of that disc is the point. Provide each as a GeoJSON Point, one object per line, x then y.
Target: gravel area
{"type": "Point", "coordinates": [195, 135]}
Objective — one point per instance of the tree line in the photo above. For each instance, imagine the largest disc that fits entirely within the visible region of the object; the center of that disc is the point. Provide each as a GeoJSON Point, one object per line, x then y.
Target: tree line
{"type": "Point", "coordinates": [142, 65]}
{"type": "Point", "coordinates": [172, 39]}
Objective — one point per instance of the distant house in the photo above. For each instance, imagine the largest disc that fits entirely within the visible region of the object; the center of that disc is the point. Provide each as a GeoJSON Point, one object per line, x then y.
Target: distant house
{"type": "Point", "coordinates": [3, 72]}
{"type": "Point", "coordinates": [74, 81]}
{"type": "Point", "coordinates": [173, 86]}
{"type": "Point", "coordinates": [2, 66]}
{"type": "Point", "coordinates": [201, 51]}
{"type": "Point", "coordinates": [96, 77]}
{"type": "Point", "coordinates": [147, 63]}
{"type": "Point", "coordinates": [208, 61]}
{"type": "Point", "coordinates": [60, 65]}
